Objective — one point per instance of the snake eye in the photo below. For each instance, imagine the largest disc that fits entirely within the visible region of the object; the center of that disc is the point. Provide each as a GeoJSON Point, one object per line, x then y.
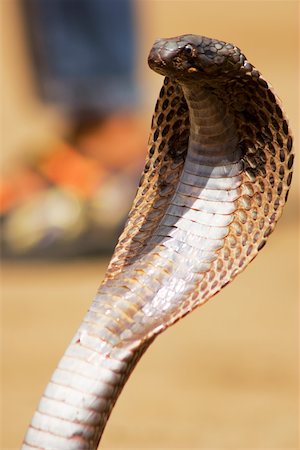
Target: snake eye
{"type": "Point", "coordinates": [188, 49]}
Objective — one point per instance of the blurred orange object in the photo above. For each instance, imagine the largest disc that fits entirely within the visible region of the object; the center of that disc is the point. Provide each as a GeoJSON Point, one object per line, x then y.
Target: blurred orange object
{"type": "Point", "coordinates": [68, 169]}
{"type": "Point", "coordinates": [118, 143]}
{"type": "Point", "coordinates": [19, 187]}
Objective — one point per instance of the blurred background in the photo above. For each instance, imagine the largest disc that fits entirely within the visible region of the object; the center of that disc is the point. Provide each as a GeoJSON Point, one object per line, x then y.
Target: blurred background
{"type": "Point", "coordinates": [78, 98]}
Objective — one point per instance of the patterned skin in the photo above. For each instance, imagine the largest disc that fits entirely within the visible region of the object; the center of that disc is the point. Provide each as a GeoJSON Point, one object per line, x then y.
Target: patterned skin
{"type": "Point", "coordinates": [215, 182]}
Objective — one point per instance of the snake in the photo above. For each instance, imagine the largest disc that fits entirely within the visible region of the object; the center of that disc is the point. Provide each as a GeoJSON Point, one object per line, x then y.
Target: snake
{"type": "Point", "coordinates": [216, 178]}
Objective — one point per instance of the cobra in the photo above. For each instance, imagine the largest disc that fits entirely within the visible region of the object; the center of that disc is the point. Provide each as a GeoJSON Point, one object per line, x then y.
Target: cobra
{"type": "Point", "coordinates": [215, 181]}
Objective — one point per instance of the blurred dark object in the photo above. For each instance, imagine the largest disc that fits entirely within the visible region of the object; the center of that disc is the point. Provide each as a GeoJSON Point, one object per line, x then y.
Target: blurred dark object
{"type": "Point", "coordinates": [63, 205]}
{"type": "Point", "coordinates": [72, 200]}
{"type": "Point", "coordinates": [84, 53]}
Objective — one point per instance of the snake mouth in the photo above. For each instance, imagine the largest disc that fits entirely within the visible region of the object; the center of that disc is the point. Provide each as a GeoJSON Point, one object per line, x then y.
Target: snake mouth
{"type": "Point", "coordinates": [156, 60]}
{"type": "Point", "coordinates": [164, 57]}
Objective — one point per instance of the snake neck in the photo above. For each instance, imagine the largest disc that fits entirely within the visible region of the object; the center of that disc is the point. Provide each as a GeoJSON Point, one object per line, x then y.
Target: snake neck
{"type": "Point", "coordinates": [213, 134]}
{"type": "Point", "coordinates": [130, 310]}
{"type": "Point", "coordinates": [186, 242]}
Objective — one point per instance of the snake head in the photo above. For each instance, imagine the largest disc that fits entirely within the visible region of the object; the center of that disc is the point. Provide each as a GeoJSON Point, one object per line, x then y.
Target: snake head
{"type": "Point", "coordinates": [189, 57]}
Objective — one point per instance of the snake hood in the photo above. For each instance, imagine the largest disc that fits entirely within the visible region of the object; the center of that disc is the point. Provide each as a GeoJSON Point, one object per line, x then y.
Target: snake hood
{"type": "Point", "coordinates": [191, 57]}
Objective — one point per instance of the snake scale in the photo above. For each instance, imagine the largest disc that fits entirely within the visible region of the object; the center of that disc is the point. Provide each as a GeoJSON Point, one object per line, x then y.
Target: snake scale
{"type": "Point", "coordinates": [216, 179]}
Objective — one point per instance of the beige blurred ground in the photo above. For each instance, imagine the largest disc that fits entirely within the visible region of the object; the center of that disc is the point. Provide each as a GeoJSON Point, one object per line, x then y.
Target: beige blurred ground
{"type": "Point", "coordinates": [225, 377]}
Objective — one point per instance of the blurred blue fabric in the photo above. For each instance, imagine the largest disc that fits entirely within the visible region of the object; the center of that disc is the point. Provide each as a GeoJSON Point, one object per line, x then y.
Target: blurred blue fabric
{"type": "Point", "coordinates": [84, 53]}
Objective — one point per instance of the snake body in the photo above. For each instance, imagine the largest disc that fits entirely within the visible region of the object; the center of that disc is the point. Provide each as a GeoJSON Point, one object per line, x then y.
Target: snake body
{"type": "Point", "coordinates": [215, 181]}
